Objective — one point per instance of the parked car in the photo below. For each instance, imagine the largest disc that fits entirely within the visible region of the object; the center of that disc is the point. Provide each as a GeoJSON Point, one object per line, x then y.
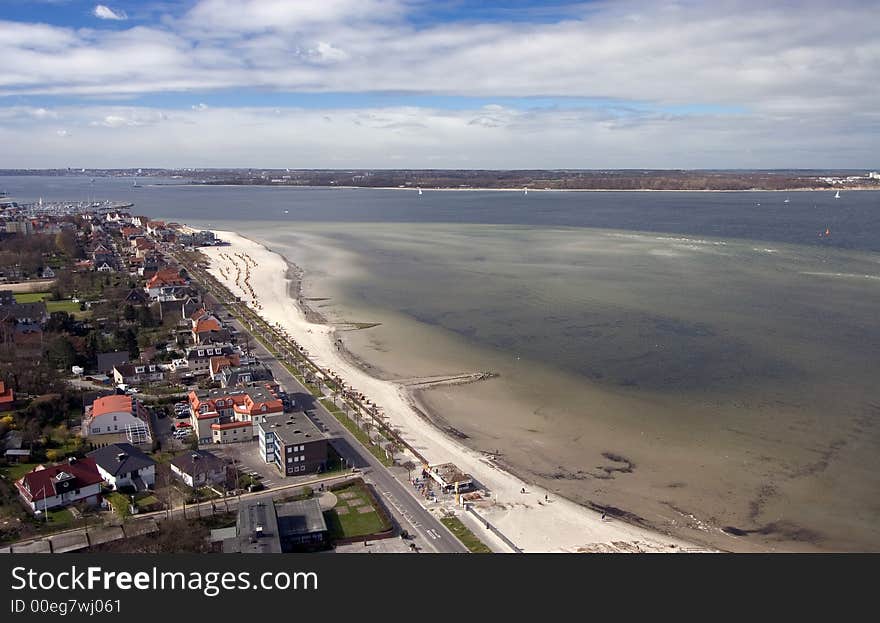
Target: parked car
{"type": "Point", "coordinates": [183, 425]}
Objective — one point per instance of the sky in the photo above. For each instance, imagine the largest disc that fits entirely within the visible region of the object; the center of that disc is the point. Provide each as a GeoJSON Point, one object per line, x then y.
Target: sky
{"type": "Point", "coordinates": [457, 84]}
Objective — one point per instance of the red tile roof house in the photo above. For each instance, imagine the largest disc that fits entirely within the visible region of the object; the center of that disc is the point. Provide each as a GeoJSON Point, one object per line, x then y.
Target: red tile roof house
{"type": "Point", "coordinates": [218, 364]}
{"type": "Point", "coordinates": [167, 278]}
{"type": "Point", "coordinates": [116, 415]}
{"type": "Point", "coordinates": [77, 480]}
{"type": "Point", "coordinates": [206, 327]}
{"type": "Point", "coordinates": [7, 398]}
{"type": "Point", "coordinates": [225, 416]}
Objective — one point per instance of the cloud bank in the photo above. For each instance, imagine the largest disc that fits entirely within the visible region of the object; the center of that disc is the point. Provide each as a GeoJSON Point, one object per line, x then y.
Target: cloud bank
{"type": "Point", "coordinates": [733, 83]}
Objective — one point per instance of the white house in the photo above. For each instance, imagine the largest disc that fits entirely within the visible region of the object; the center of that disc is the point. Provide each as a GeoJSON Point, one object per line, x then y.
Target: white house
{"type": "Point", "coordinates": [123, 465]}
{"type": "Point", "coordinates": [45, 488]}
{"type": "Point", "coordinates": [117, 415]}
{"type": "Point", "coordinates": [135, 373]}
{"type": "Point", "coordinates": [198, 468]}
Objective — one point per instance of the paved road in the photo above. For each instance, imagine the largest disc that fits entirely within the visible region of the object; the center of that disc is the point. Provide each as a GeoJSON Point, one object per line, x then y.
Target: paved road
{"type": "Point", "coordinates": [411, 515]}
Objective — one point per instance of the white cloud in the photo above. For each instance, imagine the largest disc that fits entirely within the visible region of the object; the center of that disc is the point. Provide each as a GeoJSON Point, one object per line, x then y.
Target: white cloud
{"type": "Point", "coordinates": [62, 133]}
{"type": "Point", "coordinates": [796, 83]}
{"type": "Point", "coordinates": [428, 137]}
{"type": "Point", "coordinates": [104, 12]}
{"type": "Point", "coordinates": [327, 52]}
{"type": "Point", "coordinates": [200, 106]}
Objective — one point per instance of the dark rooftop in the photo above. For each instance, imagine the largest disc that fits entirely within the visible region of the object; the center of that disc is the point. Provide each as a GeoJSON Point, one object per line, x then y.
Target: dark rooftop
{"type": "Point", "coordinates": [120, 458]}
{"type": "Point", "coordinates": [292, 428]}
{"type": "Point", "coordinates": [257, 529]}
{"type": "Point", "coordinates": [300, 517]}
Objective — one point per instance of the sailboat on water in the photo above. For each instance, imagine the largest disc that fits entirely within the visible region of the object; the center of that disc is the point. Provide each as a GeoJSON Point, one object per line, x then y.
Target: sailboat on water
{"type": "Point", "coordinates": [420, 192]}
{"type": "Point", "coordinates": [837, 195]}
{"type": "Point", "coordinates": [787, 200]}
{"type": "Point", "coordinates": [525, 191]}
{"type": "Point", "coordinates": [135, 184]}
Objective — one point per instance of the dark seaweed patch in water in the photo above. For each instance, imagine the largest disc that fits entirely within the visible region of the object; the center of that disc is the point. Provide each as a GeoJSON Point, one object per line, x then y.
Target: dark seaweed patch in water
{"type": "Point", "coordinates": [782, 530]}
{"type": "Point", "coordinates": [619, 513]}
{"type": "Point", "coordinates": [623, 466]}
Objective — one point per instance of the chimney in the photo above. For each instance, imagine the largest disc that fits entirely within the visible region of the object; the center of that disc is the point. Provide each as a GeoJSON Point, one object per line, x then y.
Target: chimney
{"type": "Point", "coordinates": [121, 457]}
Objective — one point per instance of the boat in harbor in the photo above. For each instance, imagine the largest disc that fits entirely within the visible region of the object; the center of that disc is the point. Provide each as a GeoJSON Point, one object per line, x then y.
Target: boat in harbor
{"type": "Point", "coordinates": [837, 195]}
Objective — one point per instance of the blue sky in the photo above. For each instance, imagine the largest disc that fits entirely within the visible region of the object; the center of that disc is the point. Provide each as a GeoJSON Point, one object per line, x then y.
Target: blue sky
{"type": "Point", "coordinates": [634, 83]}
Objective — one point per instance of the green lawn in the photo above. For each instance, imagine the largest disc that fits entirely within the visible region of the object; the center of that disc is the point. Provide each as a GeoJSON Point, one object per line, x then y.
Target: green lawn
{"type": "Point", "coordinates": [14, 472]}
{"type": "Point", "coordinates": [120, 504]}
{"type": "Point", "coordinates": [51, 306]}
{"type": "Point", "coordinates": [146, 501]}
{"type": "Point", "coordinates": [67, 306]}
{"type": "Point", "coordinates": [60, 517]}
{"type": "Point", "coordinates": [463, 533]}
{"type": "Point", "coordinates": [30, 297]}
{"type": "Point", "coordinates": [349, 522]}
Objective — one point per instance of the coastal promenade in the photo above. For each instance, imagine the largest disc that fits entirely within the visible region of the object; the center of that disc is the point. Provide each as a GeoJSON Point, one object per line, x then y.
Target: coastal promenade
{"type": "Point", "coordinates": [393, 488]}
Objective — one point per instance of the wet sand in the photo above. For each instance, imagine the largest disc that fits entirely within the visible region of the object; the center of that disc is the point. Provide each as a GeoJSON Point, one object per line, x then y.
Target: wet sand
{"type": "Point", "coordinates": [537, 521]}
{"type": "Point", "coordinates": [771, 461]}
{"type": "Point", "coordinates": [741, 469]}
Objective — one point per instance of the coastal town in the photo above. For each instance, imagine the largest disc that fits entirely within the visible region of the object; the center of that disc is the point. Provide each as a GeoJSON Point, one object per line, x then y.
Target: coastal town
{"type": "Point", "coordinates": [144, 399]}
{"type": "Point", "coordinates": [150, 401]}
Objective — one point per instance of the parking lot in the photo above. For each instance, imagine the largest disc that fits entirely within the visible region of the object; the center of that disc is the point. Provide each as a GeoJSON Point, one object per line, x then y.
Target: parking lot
{"type": "Point", "coordinates": [247, 458]}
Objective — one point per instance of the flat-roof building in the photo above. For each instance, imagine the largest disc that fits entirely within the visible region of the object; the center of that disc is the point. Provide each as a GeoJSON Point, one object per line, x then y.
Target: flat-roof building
{"type": "Point", "coordinates": [293, 444]}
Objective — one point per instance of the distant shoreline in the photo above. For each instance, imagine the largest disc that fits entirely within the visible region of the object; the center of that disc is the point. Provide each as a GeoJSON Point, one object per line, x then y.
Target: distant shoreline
{"type": "Point", "coordinates": [535, 190]}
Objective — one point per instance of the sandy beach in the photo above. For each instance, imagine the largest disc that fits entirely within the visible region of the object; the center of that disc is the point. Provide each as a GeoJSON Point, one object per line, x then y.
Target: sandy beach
{"type": "Point", "coordinates": [536, 521]}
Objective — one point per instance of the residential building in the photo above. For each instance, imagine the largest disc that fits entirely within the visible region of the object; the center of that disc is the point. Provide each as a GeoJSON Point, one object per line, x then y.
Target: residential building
{"type": "Point", "coordinates": [226, 416]}
{"type": "Point", "coordinates": [198, 358]}
{"type": "Point", "coordinates": [76, 480]}
{"type": "Point", "coordinates": [165, 283]}
{"type": "Point", "coordinates": [198, 468]}
{"type": "Point", "coordinates": [207, 328]}
{"type": "Point", "coordinates": [222, 362]}
{"type": "Point", "coordinates": [27, 313]}
{"type": "Point", "coordinates": [293, 444]}
{"type": "Point", "coordinates": [123, 416]}
{"type": "Point", "coordinates": [241, 376]}
{"type": "Point", "coordinates": [108, 361]}
{"type": "Point", "coordinates": [136, 297]}
{"type": "Point", "coordinates": [134, 373]}
{"type": "Point", "coordinates": [124, 465]}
